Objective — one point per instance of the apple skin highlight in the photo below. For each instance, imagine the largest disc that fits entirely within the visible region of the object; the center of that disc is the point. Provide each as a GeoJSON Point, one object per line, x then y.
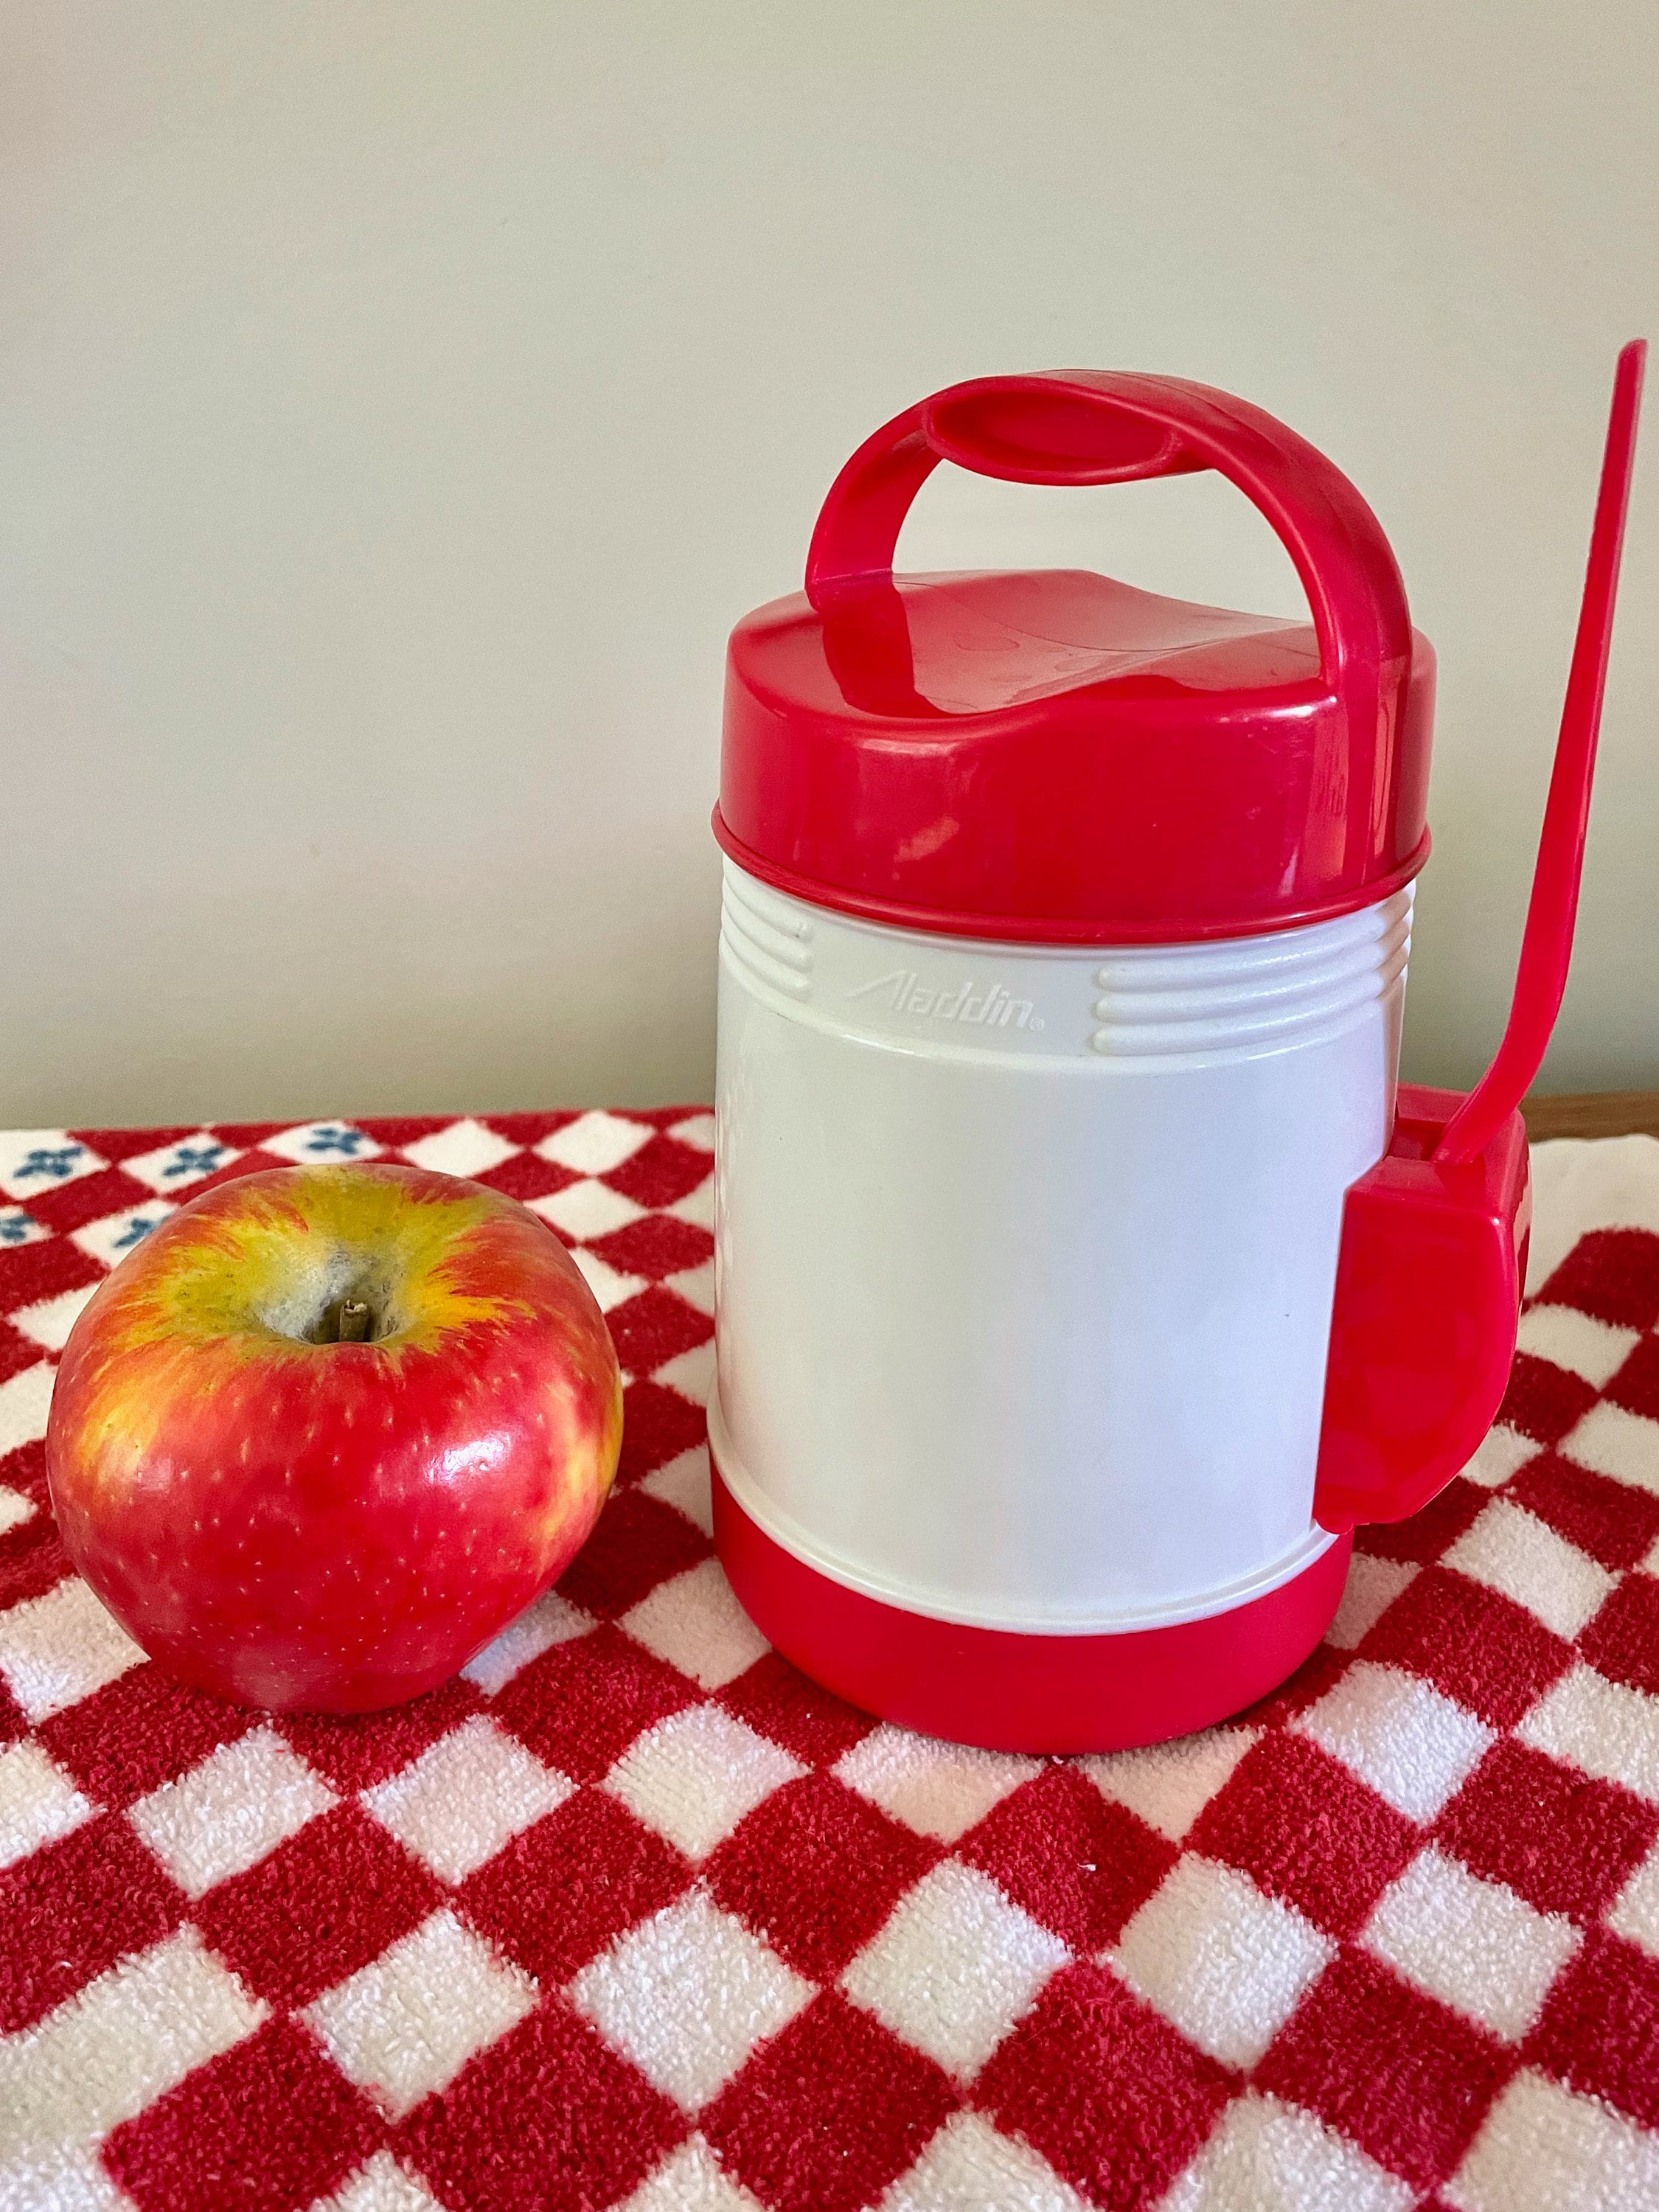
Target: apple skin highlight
{"type": "Point", "coordinates": [329, 1526]}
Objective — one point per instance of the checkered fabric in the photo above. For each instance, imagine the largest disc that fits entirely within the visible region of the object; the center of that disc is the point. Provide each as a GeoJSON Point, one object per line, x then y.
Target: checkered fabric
{"type": "Point", "coordinates": [631, 1915]}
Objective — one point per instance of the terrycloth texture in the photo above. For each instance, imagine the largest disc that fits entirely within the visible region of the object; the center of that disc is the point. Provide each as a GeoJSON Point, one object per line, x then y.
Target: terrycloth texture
{"type": "Point", "coordinates": [630, 1915]}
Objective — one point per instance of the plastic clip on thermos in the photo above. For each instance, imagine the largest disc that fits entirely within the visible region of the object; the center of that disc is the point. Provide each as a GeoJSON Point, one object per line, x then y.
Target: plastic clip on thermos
{"type": "Point", "coordinates": [1082, 1274]}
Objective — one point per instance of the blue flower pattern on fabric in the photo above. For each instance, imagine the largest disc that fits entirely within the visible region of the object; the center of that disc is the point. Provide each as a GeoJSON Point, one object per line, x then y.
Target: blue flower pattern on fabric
{"type": "Point", "coordinates": [194, 1160]}
{"type": "Point", "coordinates": [16, 1226]}
{"type": "Point", "coordinates": [54, 1160]}
{"type": "Point", "coordinates": [135, 1232]}
{"type": "Point", "coordinates": [335, 1138]}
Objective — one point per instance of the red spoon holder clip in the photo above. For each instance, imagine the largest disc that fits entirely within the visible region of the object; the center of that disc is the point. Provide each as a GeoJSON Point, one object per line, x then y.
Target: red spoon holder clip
{"type": "Point", "coordinates": [1433, 1262]}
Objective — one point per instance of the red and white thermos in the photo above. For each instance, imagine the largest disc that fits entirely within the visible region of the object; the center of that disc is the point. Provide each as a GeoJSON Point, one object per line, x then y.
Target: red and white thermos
{"type": "Point", "coordinates": [1083, 1274]}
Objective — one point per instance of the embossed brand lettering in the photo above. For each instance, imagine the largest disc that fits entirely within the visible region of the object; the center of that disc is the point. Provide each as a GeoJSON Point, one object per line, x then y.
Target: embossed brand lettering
{"type": "Point", "coordinates": [991, 1008]}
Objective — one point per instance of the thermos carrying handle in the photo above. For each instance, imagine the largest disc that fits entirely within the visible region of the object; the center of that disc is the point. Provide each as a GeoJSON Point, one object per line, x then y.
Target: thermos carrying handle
{"type": "Point", "coordinates": [1433, 1257]}
{"type": "Point", "coordinates": [1096, 427]}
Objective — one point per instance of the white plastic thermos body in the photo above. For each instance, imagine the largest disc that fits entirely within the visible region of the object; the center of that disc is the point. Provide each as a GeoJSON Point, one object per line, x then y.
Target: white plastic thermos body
{"type": "Point", "coordinates": [1025, 1254]}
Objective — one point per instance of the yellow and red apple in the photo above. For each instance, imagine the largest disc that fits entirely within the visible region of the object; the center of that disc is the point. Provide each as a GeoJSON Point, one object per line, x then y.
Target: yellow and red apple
{"type": "Point", "coordinates": [328, 1429]}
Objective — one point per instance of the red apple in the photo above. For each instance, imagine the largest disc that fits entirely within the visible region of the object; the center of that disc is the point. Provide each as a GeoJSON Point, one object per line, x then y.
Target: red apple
{"type": "Point", "coordinates": [292, 1519]}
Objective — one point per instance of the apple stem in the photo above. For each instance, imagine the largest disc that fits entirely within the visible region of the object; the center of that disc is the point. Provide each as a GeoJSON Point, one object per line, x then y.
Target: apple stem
{"type": "Point", "coordinates": [354, 1320]}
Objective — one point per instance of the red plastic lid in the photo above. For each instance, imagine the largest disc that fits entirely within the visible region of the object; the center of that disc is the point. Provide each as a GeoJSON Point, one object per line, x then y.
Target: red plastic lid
{"type": "Point", "coordinates": [1049, 755]}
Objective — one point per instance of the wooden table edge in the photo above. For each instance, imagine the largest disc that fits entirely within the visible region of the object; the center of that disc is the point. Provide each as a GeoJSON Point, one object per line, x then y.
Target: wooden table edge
{"type": "Point", "coordinates": [1592, 1113]}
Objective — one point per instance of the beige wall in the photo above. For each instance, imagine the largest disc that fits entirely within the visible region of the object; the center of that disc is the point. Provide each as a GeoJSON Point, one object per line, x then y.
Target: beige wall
{"type": "Point", "coordinates": [400, 398]}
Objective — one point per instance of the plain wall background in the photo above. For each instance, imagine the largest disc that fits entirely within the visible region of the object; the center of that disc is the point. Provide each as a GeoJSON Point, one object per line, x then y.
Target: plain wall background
{"type": "Point", "coordinates": [399, 399]}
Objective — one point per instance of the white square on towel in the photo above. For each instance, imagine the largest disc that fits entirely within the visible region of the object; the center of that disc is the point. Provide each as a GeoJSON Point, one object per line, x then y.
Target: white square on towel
{"type": "Point", "coordinates": [694, 1776]}
{"type": "Point", "coordinates": [1227, 1965]}
{"type": "Point", "coordinates": [954, 1967]}
{"type": "Point", "coordinates": [405, 2024]}
{"type": "Point", "coordinates": [465, 1798]}
{"type": "Point", "coordinates": [1542, 2148]}
{"type": "Point", "coordinates": [687, 1995]}
{"type": "Point", "coordinates": [230, 1812]}
{"type": "Point", "coordinates": [1475, 1945]}
{"type": "Point", "coordinates": [1513, 1552]}
{"type": "Point", "coordinates": [1413, 1746]}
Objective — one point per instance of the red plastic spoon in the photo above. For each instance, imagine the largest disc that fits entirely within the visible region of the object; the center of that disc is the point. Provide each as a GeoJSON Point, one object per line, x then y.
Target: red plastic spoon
{"type": "Point", "coordinates": [1541, 975]}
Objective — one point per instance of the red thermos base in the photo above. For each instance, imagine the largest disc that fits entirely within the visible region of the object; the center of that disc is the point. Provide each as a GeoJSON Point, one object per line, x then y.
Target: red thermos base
{"type": "Point", "coordinates": [1011, 1692]}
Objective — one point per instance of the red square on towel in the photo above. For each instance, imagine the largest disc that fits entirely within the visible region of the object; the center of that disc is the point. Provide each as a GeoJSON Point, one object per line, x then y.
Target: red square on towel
{"type": "Point", "coordinates": [653, 1327]}
{"type": "Point", "coordinates": [29, 1272]}
{"type": "Point", "coordinates": [33, 1559]}
{"type": "Point", "coordinates": [639, 1542]}
{"type": "Point", "coordinates": [1101, 2084]}
{"type": "Point", "coordinates": [1622, 1641]}
{"type": "Point", "coordinates": [25, 1470]}
{"type": "Point", "coordinates": [529, 1129]}
{"type": "Point", "coordinates": [1612, 1275]}
{"type": "Point", "coordinates": [1564, 1843]}
{"type": "Point", "coordinates": [816, 1871]}
{"type": "Point", "coordinates": [1599, 2029]}
{"type": "Point", "coordinates": [1321, 1670]}
{"type": "Point", "coordinates": [1543, 1401]}
{"type": "Point", "coordinates": [68, 1910]}
{"type": "Point", "coordinates": [395, 1131]}
{"type": "Point", "coordinates": [118, 1145]}
{"type": "Point", "coordinates": [559, 1893]}
{"type": "Point", "coordinates": [1305, 1828]}
{"type": "Point", "coordinates": [658, 1424]}
{"type": "Point", "coordinates": [269, 2127]}
{"type": "Point", "coordinates": [826, 2114]}
{"type": "Point", "coordinates": [1477, 1646]}
{"type": "Point", "coordinates": [1402, 2075]}
{"type": "Point", "coordinates": [656, 1245]}
{"type": "Point", "coordinates": [354, 1751]}
{"type": "Point", "coordinates": [580, 1706]}
{"type": "Point", "coordinates": [777, 1699]}
{"type": "Point", "coordinates": [89, 1197]}
{"type": "Point", "coordinates": [246, 1133]}
{"type": "Point", "coordinates": [527, 1176]}
{"type": "Point", "coordinates": [17, 1351]}
{"type": "Point", "coordinates": [317, 1908]}
{"type": "Point", "coordinates": [140, 1730]}
{"type": "Point", "coordinates": [1072, 1859]}
{"type": "Point", "coordinates": [548, 2119]}
{"type": "Point", "coordinates": [661, 1173]}
{"type": "Point", "coordinates": [1636, 1385]}
{"type": "Point", "coordinates": [1426, 1535]}
{"type": "Point", "coordinates": [1613, 1521]}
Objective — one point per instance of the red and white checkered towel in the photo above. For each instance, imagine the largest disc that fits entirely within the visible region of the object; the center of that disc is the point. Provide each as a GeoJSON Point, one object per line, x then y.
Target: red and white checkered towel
{"type": "Point", "coordinates": [630, 1915]}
